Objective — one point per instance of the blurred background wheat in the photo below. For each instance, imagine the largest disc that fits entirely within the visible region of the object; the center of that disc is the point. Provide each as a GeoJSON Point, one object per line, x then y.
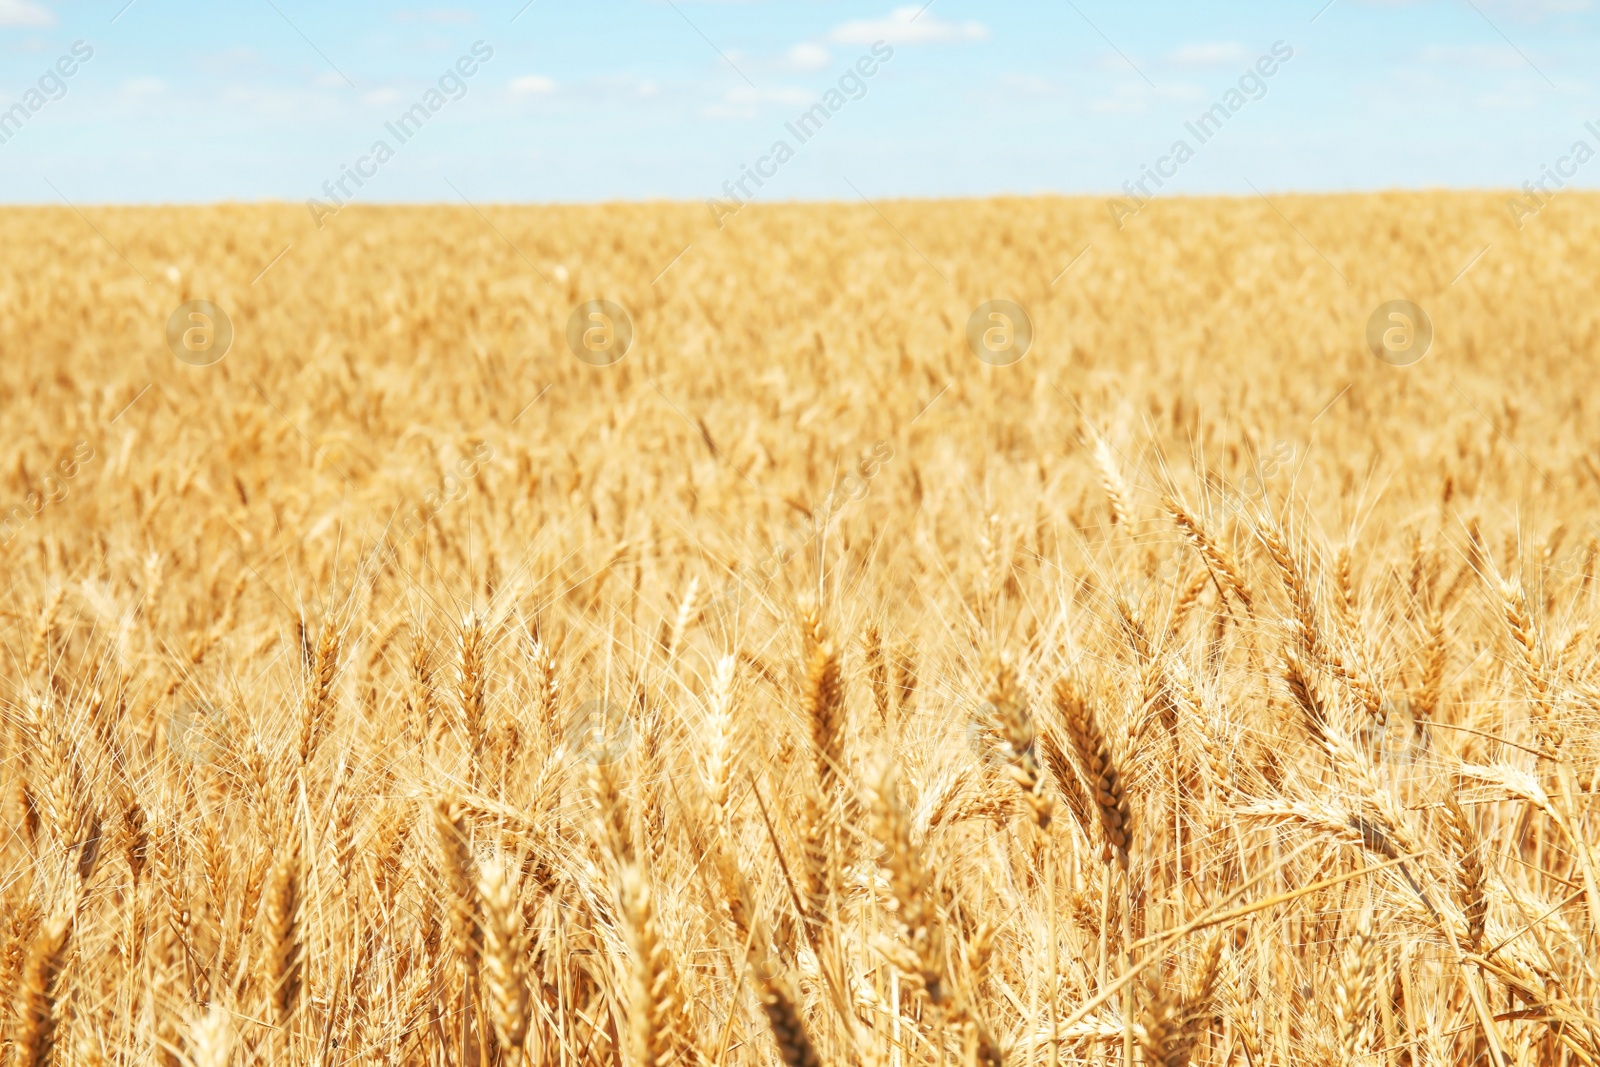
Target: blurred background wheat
{"type": "Point", "coordinates": [1199, 688]}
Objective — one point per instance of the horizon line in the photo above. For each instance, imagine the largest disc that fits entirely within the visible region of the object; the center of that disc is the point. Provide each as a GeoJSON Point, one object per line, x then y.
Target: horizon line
{"type": "Point", "coordinates": [1434, 190]}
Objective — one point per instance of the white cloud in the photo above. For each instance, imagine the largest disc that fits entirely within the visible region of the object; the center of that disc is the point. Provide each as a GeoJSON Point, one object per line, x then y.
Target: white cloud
{"type": "Point", "coordinates": [910, 24]}
{"type": "Point", "coordinates": [1488, 56]}
{"type": "Point", "coordinates": [743, 94]}
{"type": "Point", "coordinates": [623, 86]}
{"type": "Point", "coordinates": [143, 88]}
{"type": "Point", "coordinates": [1527, 10]}
{"type": "Point", "coordinates": [264, 100]}
{"type": "Point", "coordinates": [381, 96]}
{"type": "Point", "coordinates": [532, 85]}
{"type": "Point", "coordinates": [439, 16]}
{"type": "Point", "coordinates": [25, 13]}
{"type": "Point", "coordinates": [1133, 97]}
{"type": "Point", "coordinates": [808, 57]}
{"type": "Point", "coordinates": [1503, 101]}
{"type": "Point", "coordinates": [745, 103]}
{"type": "Point", "coordinates": [1031, 84]}
{"type": "Point", "coordinates": [1207, 53]}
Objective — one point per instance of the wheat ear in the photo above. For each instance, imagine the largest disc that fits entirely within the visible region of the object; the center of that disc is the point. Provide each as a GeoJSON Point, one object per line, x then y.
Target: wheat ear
{"type": "Point", "coordinates": [1098, 766]}
{"type": "Point", "coordinates": [1016, 729]}
{"type": "Point", "coordinates": [284, 948]}
{"type": "Point", "coordinates": [41, 976]}
{"type": "Point", "coordinates": [916, 915]}
{"type": "Point", "coordinates": [547, 694]}
{"type": "Point", "coordinates": [455, 867]}
{"type": "Point", "coordinates": [422, 697]}
{"type": "Point", "coordinates": [1218, 560]}
{"type": "Point", "coordinates": [1352, 996]}
{"type": "Point", "coordinates": [470, 690]}
{"type": "Point", "coordinates": [505, 968]}
{"type": "Point", "coordinates": [1519, 619]}
{"type": "Point", "coordinates": [877, 666]}
{"type": "Point", "coordinates": [824, 708]}
{"type": "Point", "coordinates": [316, 719]}
{"type": "Point", "coordinates": [1435, 652]}
{"type": "Point", "coordinates": [1302, 599]}
{"type": "Point", "coordinates": [719, 742]}
{"type": "Point", "coordinates": [211, 1038]}
{"type": "Point", "coordinates": [1462, 840]}
{"type": "Point", "coordinates": [647, 1025]}
{"type": "Point", "coordinates": [1116, 487]}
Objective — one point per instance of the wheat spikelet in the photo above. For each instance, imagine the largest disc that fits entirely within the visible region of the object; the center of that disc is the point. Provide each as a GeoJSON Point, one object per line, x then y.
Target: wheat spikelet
{"type": "Point", "coordinates": [905, 679]}
{"type": "Point", "coordinates": [35, 1039]}
{"type": "Point", "coordinates": [824, 707]}
{"type": "Point", "coordinates": [877, 669]}
{"type": "Point", "coordinates": [916, 916]}
{"type": "Point", "coordinates": [1187, 599]}
{"type": "Point", "coordinates": [21, 924]}
{"type": "Point", "coordinates": [1435, 652]}
{"type": "Point", "coordinates": [1352, 1001]}
{"type": "Point", "coordinates": [456, 872]}
{"type": "Point", "coordinates": [547, 694]}
{"type": "Point", "coordinates": [915, 912]}
{"type": "Point", "coordinates": [133, 837]}
{"type": "Point", "coordinates": [789, 1032]}
{"type": "Point", "coordinates": [505, 971]}
{"type": "Point", "coordinates": [1017, 739]}
{"type": "Point", "coordinates": [1199, 998]}
{"type": "Point", "coordinates": [1302, 599]}
{"type": "Point", "coordinates": [1111, 480]}
{"type": "Point", "coordinates": [284, 961]}
{"type": "Point", "coordinates": [387, 853]}
{"type": "Point", "coordinates": [823, 700]}
{"type": "Point", "coordinates": [211, 1038]}
{"type": "Point", "coordinates": [1236, 1000]}
{"type": "Point", "coordinates": [612, 828]}
{"type": "Point", "coordinates": [1345, 596]}
{"type": "Point", "coordinates": [1462, 841]}
{"type": "Point", "coordinates": [1217, 559]}
{"type": "Point", "coordinates": [421, 698]}
{"type": "Point", "coordinates": [1519, 619]}
{"type": "Point", "coordinates": [1172, 1016]}
{"type": "Point", "coordinates": [684, 616]}
{"type": "Point", "coordinates": [40, 647]}
{"type": "Point", "coordinates": [718, 771]}
{"type": "Point", "coordinates": [1084, 812]}
{"type": "Point", "coordinates": [1098, 766]}
{"type": "Point", "coordinates": [647, 1026]}
{"type": "Point", "coordinates": [1159, 1029]}
{"type": "Point", "coordinates": [763, 967]}
{"type": "Point", "coordinates": [1134, 627]}
{"type": "Point", "coordinates": [1303, 689]}
{"type": "Point", "coordinates": [316, 718]}
{"type": "Point", "coordinates": [1357, 681]}
{"type": "Point", "coordinates": [470, 688]}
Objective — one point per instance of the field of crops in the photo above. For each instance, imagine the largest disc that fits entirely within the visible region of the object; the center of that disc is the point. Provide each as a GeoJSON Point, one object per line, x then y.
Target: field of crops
{"type": "Point", "coordinates": [406, 660]}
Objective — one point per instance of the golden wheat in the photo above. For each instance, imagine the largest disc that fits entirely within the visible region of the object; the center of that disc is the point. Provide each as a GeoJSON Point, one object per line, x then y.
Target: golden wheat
{"type": "Point", "coordinates": [401, 688]}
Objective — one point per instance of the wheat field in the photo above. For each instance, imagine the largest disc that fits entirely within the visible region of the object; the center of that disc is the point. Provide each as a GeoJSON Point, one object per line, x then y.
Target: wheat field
{"type": "Point", "coordinates": [800, 688]}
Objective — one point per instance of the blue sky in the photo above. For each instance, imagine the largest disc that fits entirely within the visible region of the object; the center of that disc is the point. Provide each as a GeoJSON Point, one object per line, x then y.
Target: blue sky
{"type": "Point", "coordinates": [642, 99]}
